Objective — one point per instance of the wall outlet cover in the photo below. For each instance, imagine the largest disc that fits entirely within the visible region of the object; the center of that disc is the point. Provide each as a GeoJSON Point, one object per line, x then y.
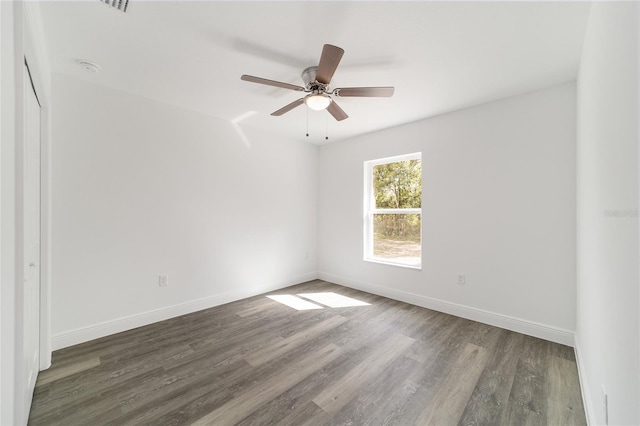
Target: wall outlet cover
{"type": "Point", "coordinates": [163, 280]}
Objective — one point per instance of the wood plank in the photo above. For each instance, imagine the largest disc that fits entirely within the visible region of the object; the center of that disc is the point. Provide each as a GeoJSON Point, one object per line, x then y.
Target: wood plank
{"type": "Point", "coordinates": [243, 405]}
{"type": "Point", "coordinates": [452, 396]}
{"type": "Point", "coordinates": [81, 410]}
{"type": "Point", "coordinates": [564, 407]}
{"type": "Point", "coordinates": [54, 374]}
{"type": "Point", "coordinates": [92, 385]}
{"type": "Point", "coordinates": [308, 415]}
{"type": "Point", "coordinates": [333, 398]}
{"type": "Point", "coordinates": [491, 395]}
{"type": "Point", "coordinates": [439, 333]}
{"type": "Point", "coordinates": [373, 402]}
{"type": "Point", "coordinates": [528, 400]}
{"type": "Point", "coordinates": [257, 308]}
{"type": "Point", "coordinates": [278, 349]}
{"type": "Point", "coordinates": [165, 403]}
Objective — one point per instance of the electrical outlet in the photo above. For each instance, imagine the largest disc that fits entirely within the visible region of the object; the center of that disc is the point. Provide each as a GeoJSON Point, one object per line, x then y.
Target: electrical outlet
{"type": "Point", "coordinates": [163, 280]}
{"type": "Point", "coordinates": [462, 279]}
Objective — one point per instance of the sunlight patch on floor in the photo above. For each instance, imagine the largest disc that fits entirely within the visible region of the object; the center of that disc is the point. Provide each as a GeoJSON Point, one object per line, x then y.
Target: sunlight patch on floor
{"type": "Point", "coordinates": [328, 299]}
{"type": "Point", "coordinates": [294, 302]}
{"type": "Point", "coordinates": [333, 300]}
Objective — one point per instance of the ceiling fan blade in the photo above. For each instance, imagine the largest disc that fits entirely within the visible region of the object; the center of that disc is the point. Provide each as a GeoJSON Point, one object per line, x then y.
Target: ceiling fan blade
{"type": "Point", "coordinates": [289, 107]}
{"type": "Point", "coordinates": [329, 61]}
{"type": "Point", "coordinates": [336, 111]}
{"type": "Point", "coordinates": [382, 92]}
{"type": "Point", "coordinates": [259, 80]}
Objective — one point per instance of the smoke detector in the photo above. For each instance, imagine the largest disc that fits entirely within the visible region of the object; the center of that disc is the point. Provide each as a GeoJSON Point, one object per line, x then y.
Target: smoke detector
{"type": "Point", "coordinates": [88, 66]}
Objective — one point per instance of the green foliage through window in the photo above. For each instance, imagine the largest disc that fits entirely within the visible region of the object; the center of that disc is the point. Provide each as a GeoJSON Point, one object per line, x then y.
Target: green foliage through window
{"type": "Point", "coordinates": [398, 185]}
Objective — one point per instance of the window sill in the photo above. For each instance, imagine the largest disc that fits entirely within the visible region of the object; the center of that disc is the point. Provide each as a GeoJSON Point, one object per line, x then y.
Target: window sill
{"type": "Point", "coordinates": [417, 267]}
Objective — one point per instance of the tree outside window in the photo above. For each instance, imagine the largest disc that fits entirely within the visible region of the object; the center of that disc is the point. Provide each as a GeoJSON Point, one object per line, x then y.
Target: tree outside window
{"type": "Point", "coordinates": [393, 210]}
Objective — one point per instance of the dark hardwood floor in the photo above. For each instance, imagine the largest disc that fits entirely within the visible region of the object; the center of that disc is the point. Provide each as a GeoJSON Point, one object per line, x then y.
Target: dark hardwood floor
{"type": "Point", "coordinates": [259, 362]}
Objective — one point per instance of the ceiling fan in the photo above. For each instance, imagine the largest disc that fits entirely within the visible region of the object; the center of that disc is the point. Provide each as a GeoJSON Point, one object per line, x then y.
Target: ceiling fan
{"type": "Point", "coordinates": [316, 84]}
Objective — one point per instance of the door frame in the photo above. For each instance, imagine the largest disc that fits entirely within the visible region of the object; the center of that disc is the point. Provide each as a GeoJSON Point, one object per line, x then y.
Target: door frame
{"type": "Point", "coordinates": [35, 56]}
{"type": "Point", "coordinates": [21, 39]}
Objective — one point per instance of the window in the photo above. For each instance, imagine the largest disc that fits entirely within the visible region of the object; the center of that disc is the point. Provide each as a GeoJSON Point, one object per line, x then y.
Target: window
{"type": "Point", "coordinates": [393, 210]}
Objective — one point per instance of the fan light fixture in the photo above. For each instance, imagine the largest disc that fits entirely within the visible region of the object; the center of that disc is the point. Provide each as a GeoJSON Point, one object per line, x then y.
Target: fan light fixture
{"type": "Point", "coordinates": [317, 102]}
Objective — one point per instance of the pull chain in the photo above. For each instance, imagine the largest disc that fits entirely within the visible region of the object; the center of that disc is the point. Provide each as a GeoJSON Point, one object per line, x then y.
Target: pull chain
{"type": "Point", "coordinates": [326, 127]}
{"type": "Point", "coordinates": [307, 122]}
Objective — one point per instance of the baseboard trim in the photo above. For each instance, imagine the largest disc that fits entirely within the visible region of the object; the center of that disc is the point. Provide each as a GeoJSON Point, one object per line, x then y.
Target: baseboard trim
{"type": "Point", "coordinates": [96, 331]}
{"type": "Point", "coordinates": [542, 331]}
{"type": "Point", "coordinates": [584, 384]}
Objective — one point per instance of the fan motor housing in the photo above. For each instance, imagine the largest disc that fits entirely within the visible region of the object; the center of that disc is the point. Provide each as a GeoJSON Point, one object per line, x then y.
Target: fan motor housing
{"type": "Point", "coordinates": [310, 82]}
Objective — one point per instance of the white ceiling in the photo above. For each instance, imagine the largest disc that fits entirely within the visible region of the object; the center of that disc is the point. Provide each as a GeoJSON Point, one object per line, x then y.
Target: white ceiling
{"type": "Point", "coordinates": [440, 56]}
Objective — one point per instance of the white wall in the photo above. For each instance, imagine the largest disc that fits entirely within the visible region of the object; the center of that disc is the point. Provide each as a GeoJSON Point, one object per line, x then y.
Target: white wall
{"type": "Point", "coordinates": [607, 336]}
{"type": "Point", "coordinates": [10, 359]}
{"type": "Point", "coordinates": [498, 205]}
{"type": "Point", "coordinates": [142, 188]}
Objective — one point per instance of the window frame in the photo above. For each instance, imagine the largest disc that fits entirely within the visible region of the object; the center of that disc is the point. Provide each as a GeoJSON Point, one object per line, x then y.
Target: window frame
{"type": "Point", "coordinates": [369, 210]}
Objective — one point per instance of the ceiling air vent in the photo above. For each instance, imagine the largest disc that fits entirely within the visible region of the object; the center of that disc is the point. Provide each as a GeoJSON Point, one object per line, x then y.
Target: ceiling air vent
{"type": "Point", "coordinates": [118, 4]}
